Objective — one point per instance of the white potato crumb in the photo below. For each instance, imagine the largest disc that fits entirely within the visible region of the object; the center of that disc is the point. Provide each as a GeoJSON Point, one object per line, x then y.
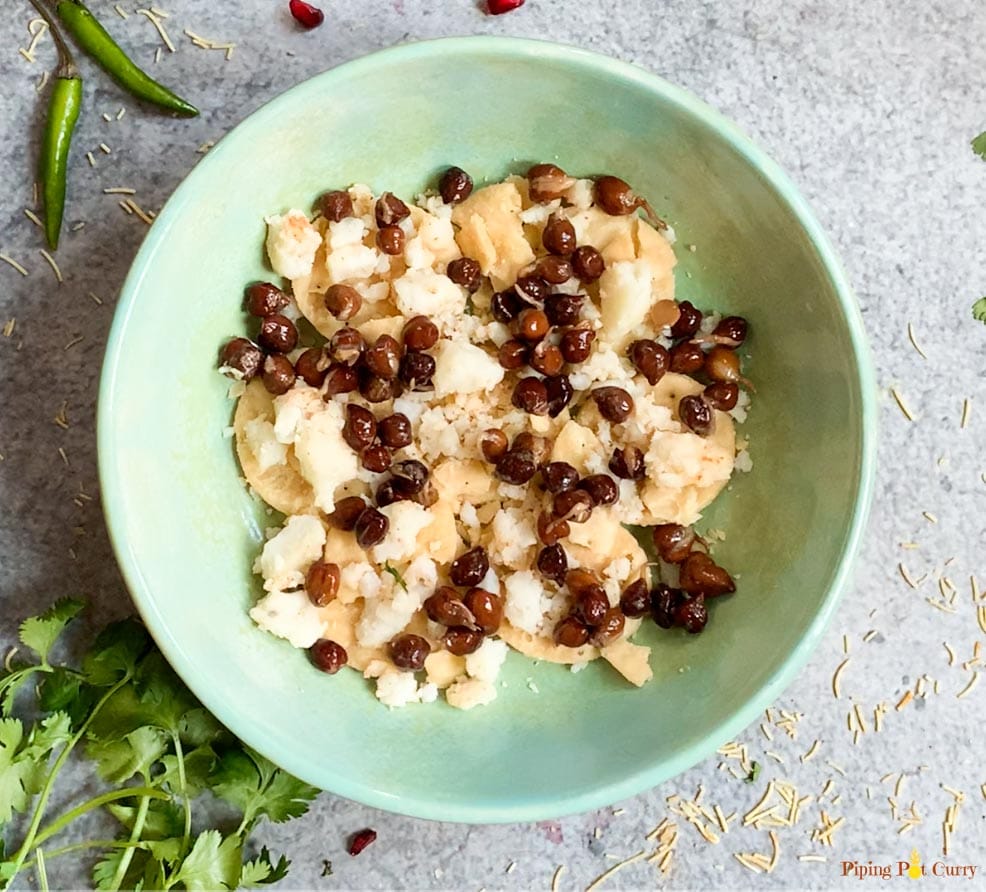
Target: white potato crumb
{"type": "Point", "coordinates": [287, 556]}
{"type": "Point", "coordinates": [291, 244]}
{"type": "Point", "coordinates": [485, 662]}
{"type": "Point", "coordinates": [470, 692]}
{"type": "Point", "coordinates": [289, 615]}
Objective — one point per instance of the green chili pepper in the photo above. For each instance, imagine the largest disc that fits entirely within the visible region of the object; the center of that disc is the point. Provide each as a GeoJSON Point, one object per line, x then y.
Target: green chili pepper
{"type": "Point", "coordinates": [96, 41]}
{"type": "Point", "coordinates": [63, 112]}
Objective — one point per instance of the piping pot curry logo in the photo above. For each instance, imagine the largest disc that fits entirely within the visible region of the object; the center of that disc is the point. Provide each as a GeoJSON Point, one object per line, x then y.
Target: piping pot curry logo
{"type": "Point", "coordinates": [912, 869]}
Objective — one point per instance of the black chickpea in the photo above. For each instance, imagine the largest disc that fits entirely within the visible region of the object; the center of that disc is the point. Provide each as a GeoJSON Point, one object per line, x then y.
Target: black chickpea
{"type": "Point", "coordinates": [563, 309]}
{"type": "Point", "coordinates": [347, 512]}
{"type": "Point", "coordinates": [616, 197]}
{"type": "Point", "coordinates": [731, 331]}
{"type": "Point", "coordinates": [419, 334]}
{"type": "Point", "coordinates": [579, 579]}
{"type": "Point", "coordinates": [552, 529]}
{"type": "Point", "coordinates": [417, 370]}
{"type": "Point", "coordinates": [455, 185]}
{"type": "Point", "coordinates": [278, 376]}
{"type": "Point", "coordinates": [692, 615]}
{"type": "Point", "coordinates": [340, 379]}
{"type": "Point", "coordinates": [335, 205]}
{"type": "Point", "coordinates": [346, 346]}
{"type": "Point", "coordinates": [559, 476]}
{"type": "Point", "coordinates": [505, 305]}
{"type": "Point", "coordinates": [552, 563]}
{"type": "Point", "coordinates": [312, 366]}
{"type": "Point", "coordinates": [410, 476]}
{"type": "Point", "coordinates": [376, 458]}
{"type": "Point", "coordinates": [664, 600]}
{"type": "Point", "coordinates": [390, 210]}
{"type": "Point", "coordinates": [371, 527]}
{"type": "Point", "coordinates": [700, 575]}
{"type": "Point", "coordinates": [650, 358]}
{"type": "Point", "coordinates": [468, 569]}
{"type": "Point", "coordinates": [573, 505]}
{"type": "Point", "coordinates": [673, 541]}
{"type": "Point", "coordinates": [553, 269]}
{"type": "Point", "coordinates": [546, 358]}
{"type": "Point", "coordinates": [558, 236]}
{"type": "Point", "coordinates": [539, 447]}
{"type": "Point", "coordinates": [614, 403]}
{"type": "Point", "coordinates": [329, 656]}
{"type": "Point", "coordinates": [560, 392]}
{"type": "Point", "coordinates": [387, 494]}
{"type": "Point", "coordinates": [461, 641]}
{"type": "Point", "coordinates": [696, 413]}
{"type": "Point", "coordinates": [722, 364]}
{"type": "Point", "coordinates": [592, 605]}
{"type": "Point", "coordinates": [342, 301]}
{"type": "Point", "coordinates": [486, 607]}
{"type": "Point", "coordinates": [516, 468]}
{"type": "Point", "coordinates": [532, 325]}
{"type": "Point", "coordinates": [588, 263]}
{"type": "Point", "coordinates": [409, 652]}
{"type": "Point", "coordinates": [390, 240]}
{"type": "Point", "coordinates": [531, 396]}
{"type": "Point", "coordinates": [240, 358]}
{"type": "Point", "coordinates": [627, 463]}
{"type": "Point", "coordinates": [445, 607]}
{"type": "Point", "coordinates": [360, 427]}
{"type": "Point", "coordinates": [531, 290]}
{"type": "Point", "coordinates": [512, 354]}
{"type": "Point", "coordinates": [322, 582]}
{"type": "Point", "coordinates": [263, 299]}
{"type": "Point", "coordinates": [546, 182]}
{"type": "Point", "coordinates": [686, 358]}
{"type": "Point", "coordinates": [395, 430]}
{"type": "Point", "coordinates": [466, 272]}
{"type": "Point", "coordinates": [571, 632]}
{"type": "Point", "coordinates": [576, 344]}
{"type": "Point", "coordinates": [601, 488]}
{"type": "Point", "coordinates": [493, 444]}
{"type": "Point", "coordinates": [609, 628]}
{"type": "Point", "coordinates": [635, 600]}
{"type": "Point", "coordinates": [277, 334]}
{"type": "Point", "coordinates": [383, 358]}
{"type": "Point", "coordinates": [722, 395]}
{"type": "Point", "coordinates": [688, 322]}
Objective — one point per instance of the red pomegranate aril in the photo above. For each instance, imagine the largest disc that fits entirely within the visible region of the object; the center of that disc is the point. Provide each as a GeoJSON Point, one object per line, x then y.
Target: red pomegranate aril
{"type": "Point", "coordinates": [305, 14]}
{"type": "Point", "coordinates": [361, 840]}
{"type": "Point", "coordinates": [499, 7]}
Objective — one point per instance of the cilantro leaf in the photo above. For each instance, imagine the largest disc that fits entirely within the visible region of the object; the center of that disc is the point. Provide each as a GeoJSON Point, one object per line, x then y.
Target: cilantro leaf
{"type": "Point", "coordinates": [979, 145]}
{"type": "Point", "coordinates": [162, 821]}
{"type": "Point", "coordinates": [41, 632]}
{"type": "Point", "coordinates": [115, 652]}
{"type": "Point", "coordinates": [11, 683]}
{"type": "Point", "coordinates": [393, 571]}
{"type": "Point", "coordinates": [979, 310]}
{"type": "Point", "coordinates": [213, 863]}
{"type": "Point", "coordinates": [135, 753]}
{"type": "Point", "coordinates": [162, 693]}
{"type": "Point", "coordinates": [256, 786]}
{"type": "Point", "coordinates": [198, 765]}
{"type": "Point", "coordinates": [24, 760]}
{"type": "Point", "coordinates": [754, 773]}
{"type": "Point", "coordinates": [58, 689]}
{"type": "Point", "coordinates": [260, 871]}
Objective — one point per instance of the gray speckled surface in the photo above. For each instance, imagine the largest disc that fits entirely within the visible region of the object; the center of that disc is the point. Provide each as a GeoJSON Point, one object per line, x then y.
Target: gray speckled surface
{"type": "Point", "coordinates": [870, 104]}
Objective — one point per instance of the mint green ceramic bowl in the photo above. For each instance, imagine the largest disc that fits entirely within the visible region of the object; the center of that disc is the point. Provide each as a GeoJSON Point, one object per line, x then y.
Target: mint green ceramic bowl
{"type": "Point", "coordinates": [186, 532]}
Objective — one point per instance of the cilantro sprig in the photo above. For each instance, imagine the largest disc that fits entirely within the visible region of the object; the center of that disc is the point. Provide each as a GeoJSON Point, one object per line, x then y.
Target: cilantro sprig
{"type": "Point", "coordinates": [157, 748]}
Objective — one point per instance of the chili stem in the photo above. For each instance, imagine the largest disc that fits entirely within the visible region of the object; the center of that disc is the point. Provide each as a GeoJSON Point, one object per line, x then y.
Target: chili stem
{"type": "Point", "coordinates": [66, 61]}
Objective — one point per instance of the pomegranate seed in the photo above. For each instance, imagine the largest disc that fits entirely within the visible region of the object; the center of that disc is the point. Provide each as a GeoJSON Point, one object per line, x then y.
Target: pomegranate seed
{"type": "Point", "coordinates": [499, 7]}
{"type": "Point", "coordinates": [361, 840]}
{"type": "Point", "coordinates": [305, 14]}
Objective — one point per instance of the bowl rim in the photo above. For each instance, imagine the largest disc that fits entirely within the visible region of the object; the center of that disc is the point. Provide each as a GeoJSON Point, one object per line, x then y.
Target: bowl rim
{"type": "Point", "coordinates": [651, 775]}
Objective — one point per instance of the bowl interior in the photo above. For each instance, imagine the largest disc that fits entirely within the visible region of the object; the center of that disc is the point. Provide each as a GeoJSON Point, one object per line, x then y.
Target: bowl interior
{"type": "Point", "coordinates": [186, 531]}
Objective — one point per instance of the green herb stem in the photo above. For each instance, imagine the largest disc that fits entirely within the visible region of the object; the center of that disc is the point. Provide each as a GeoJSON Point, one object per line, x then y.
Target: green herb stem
{"type": "Point", "coordinates": [42, 871]}
{"type": "Point", "coordinates": [147, 793]}
{"type": "Point", "coordinates": [49, 784]}
{"type": "Point", "coordinates": [183, 789]}
{"type": "Point", "coordinates": [138, 828]}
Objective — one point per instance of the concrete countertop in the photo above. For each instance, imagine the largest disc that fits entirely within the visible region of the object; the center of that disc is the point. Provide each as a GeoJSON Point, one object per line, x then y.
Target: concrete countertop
{"type": "Point", "coordinates": [870, 105]}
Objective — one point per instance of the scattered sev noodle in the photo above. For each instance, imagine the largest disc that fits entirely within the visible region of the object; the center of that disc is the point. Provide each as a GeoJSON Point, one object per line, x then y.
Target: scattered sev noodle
{"type": "Point", "coordinates": [928, 516]}
{"type": "Point", "coordinates": [120, 190]}
{"type": "Point", "coordinates": [907, 698]}
{"type": "Point", "coordinates": [9, 327]}
{"type": "Point", "coordinates": [836, 676]}
{"type": "Point", "coordinates": [90, 159]}
{"type": "Point", "coordinates": [556, 879]}
{"type": "Point", "coordinates": [158, 24]}
{"type": "Point", "coordinates": [870, 635]}
{"type": "Point", "coordinates": [968, 688]}
{"type": "Point", "coordinates": [52, 264]}
{"type": "Point", "coordinates": [37, 28]}
{"type": "Point", "coordinates": [121, 12]}
{"type": "Point", "coordinates": [913, 340]}
{"type": "Point", "coordinates": [906, 576]}
{"type": "Point", "coordinates": [666, 834]}
{"type": "Point", "coordinates": [136, 209]}
{"type": "Point", "coordinates": [901, 404]}
{"type": "Point", "coordinates": [105, 149]}
{"type": "Point", "coordinates": [812, 752]}
{"type": "Point", "coordinates": [203, 43]}
{"type": "Point", "coordinates": [823, 833]}
{"type": "Point", "coordinates": [599, 880]}
{"type": "Point", "coordinates": [950, 652]}
{"type": "Point", "coordinates": [820, 859]}
{"type": "Point", "coordinates": [966, 412]}
{"type": "Point", "coordinates": [835, 767]}
{"type": "Point", "coordinates": [11, 262]}
{"type": "Point", "coordinates": [33, 217]}
{"type": "Point", "coordinates": [61, 419]}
